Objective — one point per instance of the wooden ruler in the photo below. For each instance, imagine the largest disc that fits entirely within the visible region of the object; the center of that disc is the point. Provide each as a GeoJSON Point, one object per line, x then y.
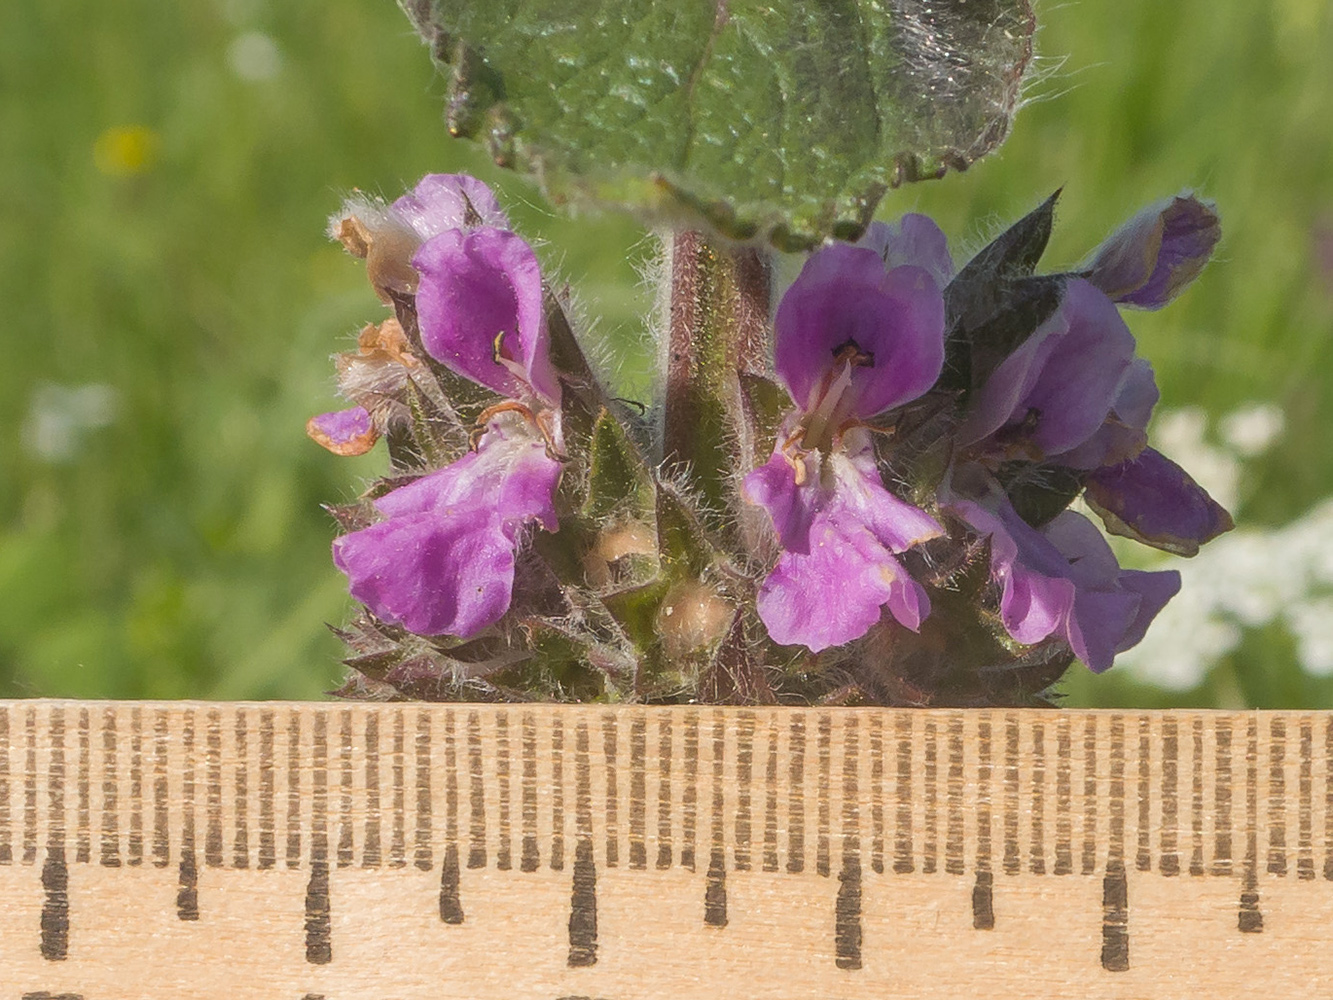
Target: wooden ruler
{"type": "Point", "coordinates": [306, 851]}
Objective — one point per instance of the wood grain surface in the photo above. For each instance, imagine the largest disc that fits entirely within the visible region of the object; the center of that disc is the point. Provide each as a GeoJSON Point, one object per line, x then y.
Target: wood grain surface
{"type": "Point", "coordinates": [343, 852]}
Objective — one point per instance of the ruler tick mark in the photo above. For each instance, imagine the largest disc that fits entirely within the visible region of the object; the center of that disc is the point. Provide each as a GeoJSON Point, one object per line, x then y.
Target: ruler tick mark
{"type": "Point", "coordinates": [1115, 918]}
{"type": "Point", "coordinates": [1222, 843]}
{"type": "Point", "coordinates": [187, 888]}
{"type": "Point", "coordinates": [1036, 855]}
{"type": "Point", "coordinates": [983, 902]}
{"type": "Point", "coordinates": [983, 862]}
{"type": "Point", "coordinates": [371, 848]}
{"type": "Point", "coordinates": [503, 858]}
{"type": "Point", "coordinates": [268, 847]}
{"type": "Point", "coordinates": [1169, 863]}
{"type": "Point", "coordinates": [1305, 806]}
{"type": "Point", "coordinates": [953, 840]}
{"type": "Point", "coordinates": [796, 796]}
{"type": "Point", "coordinates": [877, 794]}
{"type": "Point", "coordinates": [1088, 863]}
{"type": "Point", "coordinates": [1250, 919]}
{"type": "Point", "coordinates": [83, 838]}
{"type": "Point", "coordinates": [557, 795]}
{"type": "Point", "coordinates": [902, 849]}
{"type": "Point", "coordinates": [55, 874]}
{"type": "Point", "coordinates": [744, 773]}
{"type": "Point", "coordinates": [398, 838]}
{"type": "Point", "coordinates": [30, 788]}
{"type": "Point", "coordinates": [715, 890]}
{"type": "Point", "coordinates": [610, 742]}
{"type": "Point", "coordinates": [293, 790]}
{"type": "Point", "coordinates": [638, 794]}
{"type": "Point", "coordinates": [213, 792]}
{"type": "Point", "coordinates": [346, 850]}
{"type": "Point", "coordinates": [1196, 801]}
{"type": "Point", "coordinates": [1143, 859]}
{"type": "Point", "coordinates": [1013, 863]}
{"type": "Point", "coordinates": [931, 774]}
{"type": "Point", "coordinates": [529, 860]}
{"type": "Point", "coordinates": [1064, 831]}
{"type": "Point", "coordinates": [583, 895]}
{"type": "Point", "coordinates": [664, 745]}
{"type": "Point", "coordinates": [1277, 798]}
{"type": "Point", "coordinates": [771, 799]}
{"type": "Point", "coordinates": [6, 845]}
{"type": "Point", "coordinates": [847, 934]}
{"type": "Point", "coordinates": [241, 836]}
{"type": "Point", "coordinates": [421, 851]}
{"type": "Point", "coordinates": [135, 845]}
{"type": "Point", "coordinates": [690, 793]}
{"type": "Point", "coordinates": [161, 812]}
{"type": "Point", "coordinates": [318, 922]}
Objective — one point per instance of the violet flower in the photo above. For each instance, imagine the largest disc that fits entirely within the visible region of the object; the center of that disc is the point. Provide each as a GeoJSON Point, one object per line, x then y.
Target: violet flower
{"type": "Point", "coordinates": [853, 339]}
{"type": "Point", "coordinates": [442, 561]}
{"type": "Point", "coordinates": [1150, 260]}
{"type": "Point", "coordinates": [1063, 580]}
{"type": "Point", "coordinates": [1074, 394]}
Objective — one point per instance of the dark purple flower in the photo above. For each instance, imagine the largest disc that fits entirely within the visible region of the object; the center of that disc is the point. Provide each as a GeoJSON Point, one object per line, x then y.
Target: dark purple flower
{"type": "Point", "coordinates": [442, 561]}
{"type": "Point", "coordinates": [344, 432]}
{"type": "Point", "coordinates": [1063, 580]}
{"type": "Point", "coordinates": [852, 340]}
{"type": "Point", "coordinates": [1150, 260]}
{"type": "Point", "coordinates": [1153, 500]}
{"type": "Point", "coordinates": [1056, 390]}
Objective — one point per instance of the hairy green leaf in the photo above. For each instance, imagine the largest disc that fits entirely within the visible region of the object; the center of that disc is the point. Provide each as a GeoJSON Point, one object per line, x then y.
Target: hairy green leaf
{"type": "Point", "coordinates": [785, 119]}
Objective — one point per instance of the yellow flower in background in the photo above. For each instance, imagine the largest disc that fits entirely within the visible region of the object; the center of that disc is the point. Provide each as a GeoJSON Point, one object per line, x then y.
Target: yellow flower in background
{"type": "Point", "coordinates": [126, 150]}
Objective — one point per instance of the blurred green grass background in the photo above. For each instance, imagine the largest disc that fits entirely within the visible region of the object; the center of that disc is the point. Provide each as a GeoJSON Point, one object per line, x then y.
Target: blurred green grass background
{"type": "Point", "coordinates": [167, 170]}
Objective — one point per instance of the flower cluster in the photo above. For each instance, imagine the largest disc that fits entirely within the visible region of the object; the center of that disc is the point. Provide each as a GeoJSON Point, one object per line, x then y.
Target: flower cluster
{"type": "Point", "coordinates": [893, 521]}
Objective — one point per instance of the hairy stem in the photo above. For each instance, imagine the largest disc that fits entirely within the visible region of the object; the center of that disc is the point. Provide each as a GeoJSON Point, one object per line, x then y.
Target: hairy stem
{"type": "Point", "coordinates": [719, 323]}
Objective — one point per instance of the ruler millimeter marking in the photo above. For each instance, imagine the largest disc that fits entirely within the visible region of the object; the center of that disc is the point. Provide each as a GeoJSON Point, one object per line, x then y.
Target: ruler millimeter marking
{"type": "Point", "coordinates": [859, 801]}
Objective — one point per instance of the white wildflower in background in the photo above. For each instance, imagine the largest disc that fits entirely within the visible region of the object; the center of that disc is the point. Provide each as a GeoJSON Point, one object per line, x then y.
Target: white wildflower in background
{"type": "Point", "coordinates": [1248, 579]}
{"type": "Point", "coordinates": [60, 416]}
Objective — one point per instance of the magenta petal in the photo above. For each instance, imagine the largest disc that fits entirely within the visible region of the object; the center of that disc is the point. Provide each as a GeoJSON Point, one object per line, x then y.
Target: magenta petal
{"type": "Point", "coordinates": [443, 560]}
{"type": "Point", "coordinates": [441, 202]}
{"type": "Point", "coordinates": [1153, 500]}
{"type": "Point", "coordinates": [1156, 254]}
{"type": "Point", "coordinates": [839, 532]}
{"type": "Point", "coordinates": [477, 286]}
{"type": "Point", "coordinates": [915, 241]}
{"type": "Point", "coordinates": [843, 294]}
{"type": "Point", "coordinates": [343, 432]}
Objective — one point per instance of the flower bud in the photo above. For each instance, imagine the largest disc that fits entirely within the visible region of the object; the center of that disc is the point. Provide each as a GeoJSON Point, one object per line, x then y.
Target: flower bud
{"type": "Point", "coordinates": [1149, 260]}
{"type": "Point", "coordinates": [692, 616]}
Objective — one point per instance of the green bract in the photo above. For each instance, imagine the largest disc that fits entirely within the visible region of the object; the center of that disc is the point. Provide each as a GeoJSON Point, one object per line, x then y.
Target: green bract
{"type": "Point", "coordinates": [782, 120]}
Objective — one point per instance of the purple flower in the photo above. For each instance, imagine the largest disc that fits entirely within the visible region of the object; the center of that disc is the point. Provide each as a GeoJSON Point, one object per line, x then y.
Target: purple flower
{"type": "Point", "coordinates": [1063, 580]}
{"type": "Point", "coordinates": [1153, 500]}
{"type": "Point", "coordinates": [344, 432]}
{"type": "Point", "coordinates": [1150, 260]}
{"type": "Point", "coordinates": [387, 236]}
{"type": "Point", "coordinates": [1057, 389]}
{"type": "Point", "coordinates": [852, 340]}
{"type": "Point", "coordinates": [442, 561]}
